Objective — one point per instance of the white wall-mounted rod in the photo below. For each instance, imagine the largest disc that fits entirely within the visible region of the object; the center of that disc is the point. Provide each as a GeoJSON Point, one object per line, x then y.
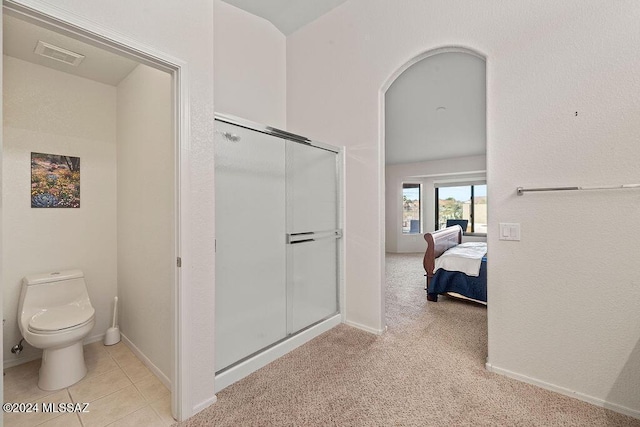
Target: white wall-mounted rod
{"type": "Point", "coordinates": [520, 190]}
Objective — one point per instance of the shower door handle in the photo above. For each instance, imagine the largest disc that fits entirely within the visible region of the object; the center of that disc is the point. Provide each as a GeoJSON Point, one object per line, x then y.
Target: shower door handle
{"type": "Point", "coordinates": [312, 236]}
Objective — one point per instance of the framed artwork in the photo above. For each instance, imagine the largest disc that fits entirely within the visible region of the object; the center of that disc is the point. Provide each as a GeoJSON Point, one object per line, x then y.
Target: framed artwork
{"type": "Point", "coordinates": [55, 181]}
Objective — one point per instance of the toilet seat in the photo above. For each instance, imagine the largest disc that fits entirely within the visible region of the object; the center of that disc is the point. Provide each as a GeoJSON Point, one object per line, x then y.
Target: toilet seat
{"type": "Point", "coordinates": [60, 319]}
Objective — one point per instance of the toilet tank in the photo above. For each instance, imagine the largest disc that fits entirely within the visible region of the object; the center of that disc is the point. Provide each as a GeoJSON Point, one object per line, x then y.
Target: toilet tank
{"type": "Point", "coordinates": [53, 289]}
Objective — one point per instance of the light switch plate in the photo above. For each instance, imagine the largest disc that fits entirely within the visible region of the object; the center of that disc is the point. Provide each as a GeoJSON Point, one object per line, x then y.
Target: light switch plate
{"type": "Point", "coordinates": [509, 231]}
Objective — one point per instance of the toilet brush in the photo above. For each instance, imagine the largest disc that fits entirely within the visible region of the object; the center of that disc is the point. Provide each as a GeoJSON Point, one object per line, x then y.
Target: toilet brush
{"type": "Point", "coordinates": [112, 336]}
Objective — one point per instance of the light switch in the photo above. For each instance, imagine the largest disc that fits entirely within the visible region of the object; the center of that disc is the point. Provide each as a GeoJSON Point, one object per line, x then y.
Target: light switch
{"type": "Point", "coordinates": [509, 231]}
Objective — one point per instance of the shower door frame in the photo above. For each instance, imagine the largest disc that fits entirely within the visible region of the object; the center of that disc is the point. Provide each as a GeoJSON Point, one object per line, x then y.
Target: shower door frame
{"type": "Point", "coordinates": [253, 362]}
{"type": "Point", "coordinates": [247, 124]}
{"type": "Point", "coordinates": [75, 26]}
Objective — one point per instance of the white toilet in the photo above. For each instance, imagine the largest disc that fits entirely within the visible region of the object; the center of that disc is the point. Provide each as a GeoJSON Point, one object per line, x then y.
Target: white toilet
{"type": "Point", "coordinates": [55, 314]}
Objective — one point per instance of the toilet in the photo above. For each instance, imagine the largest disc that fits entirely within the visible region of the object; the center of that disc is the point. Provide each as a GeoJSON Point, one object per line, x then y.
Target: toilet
{"type": "Point", "coordinates": [55, 314]}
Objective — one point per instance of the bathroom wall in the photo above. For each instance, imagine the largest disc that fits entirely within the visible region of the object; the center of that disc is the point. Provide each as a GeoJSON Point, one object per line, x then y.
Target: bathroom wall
{"type": "Point", "coordinates": [250, 61]}
{"type": "Point", "coordinates": [53, 112]}
{"type": "Point", "coordinates": [471, 167]}
{"type": "Point", "coordinates": [146, 218]}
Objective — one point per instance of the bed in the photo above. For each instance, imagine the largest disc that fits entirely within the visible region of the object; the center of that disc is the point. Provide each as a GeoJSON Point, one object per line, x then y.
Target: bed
{"type": "Point", "coordinates": [466, 285]}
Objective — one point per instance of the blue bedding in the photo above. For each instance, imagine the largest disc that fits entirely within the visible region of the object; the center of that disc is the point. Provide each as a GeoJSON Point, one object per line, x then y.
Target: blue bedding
{"type": "Point", "coordinates": [455, 281]}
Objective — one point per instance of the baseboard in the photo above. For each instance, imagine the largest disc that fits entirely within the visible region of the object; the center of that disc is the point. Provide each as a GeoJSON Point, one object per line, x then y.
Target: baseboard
{"type": "Point", "coordinates": [365, 328]}
{"type": "Point", "coordinates": [92, 339]}
{"type": "Point", "coordinates": [245, 368]}
{"type": "Point", "coordinates": [200, 406]}
{"type": "Point", "coordinates": [147, 362]}
{"type": "Point", "coordinates": [20, 360]}
{"type": "Point", "coordinates": [564, 391]}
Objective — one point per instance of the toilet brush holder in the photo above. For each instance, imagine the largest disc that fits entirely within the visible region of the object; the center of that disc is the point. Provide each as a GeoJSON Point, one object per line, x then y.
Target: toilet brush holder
{"type": "Point", "coordinates": [112, 336]}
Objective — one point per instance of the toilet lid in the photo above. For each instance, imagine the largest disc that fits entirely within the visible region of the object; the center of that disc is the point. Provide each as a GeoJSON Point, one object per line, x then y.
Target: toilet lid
{"type": "Point", "coordinates": [58, 318]}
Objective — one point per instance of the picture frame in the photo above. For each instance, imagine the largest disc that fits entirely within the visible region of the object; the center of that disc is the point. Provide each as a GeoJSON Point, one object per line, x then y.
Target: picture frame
{"type": "Point", "coordinates": [55, 181]}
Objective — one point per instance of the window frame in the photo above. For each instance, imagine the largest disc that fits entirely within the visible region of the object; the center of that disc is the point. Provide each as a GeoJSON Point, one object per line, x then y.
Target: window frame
{"type": "Point", "coordinates": [417, 185]}
{"type": "Point", "coordinates": [471, 210]}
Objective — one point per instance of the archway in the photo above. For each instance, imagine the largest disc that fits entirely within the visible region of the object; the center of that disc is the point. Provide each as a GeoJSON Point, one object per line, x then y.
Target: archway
{"type": "Point", "coordinates": [432, 134]}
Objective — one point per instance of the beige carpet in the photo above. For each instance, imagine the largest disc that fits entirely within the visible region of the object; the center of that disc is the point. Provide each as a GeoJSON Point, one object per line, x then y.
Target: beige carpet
{"type": "Point", "coordinates": [427, 370]}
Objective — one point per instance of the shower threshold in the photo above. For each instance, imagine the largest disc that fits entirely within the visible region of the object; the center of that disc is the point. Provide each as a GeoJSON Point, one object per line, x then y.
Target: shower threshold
{"type": "Point", "coordinates": [235, 372]}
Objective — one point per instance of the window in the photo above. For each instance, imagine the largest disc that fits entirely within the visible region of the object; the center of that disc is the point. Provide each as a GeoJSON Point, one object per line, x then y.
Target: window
{"type": "Point", "coordinates": [462, 202]}
{"type": "Point", "coordinates": [411, 208]}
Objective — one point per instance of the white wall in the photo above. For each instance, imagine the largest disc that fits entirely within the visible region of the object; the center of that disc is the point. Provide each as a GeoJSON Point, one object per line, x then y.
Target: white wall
{"type": "Point", "coordinates": [183, 30]}
{"type": "Point", "coordinates": [82, 124]}
{"type": "Point", "coordinates": [564, 300]}
{"type": "Point", "coordinates": [146, 251]}
{"type": "Point", "coordinates": [425, 173]}
{"type": "Point", "coordinates": [250, 63]}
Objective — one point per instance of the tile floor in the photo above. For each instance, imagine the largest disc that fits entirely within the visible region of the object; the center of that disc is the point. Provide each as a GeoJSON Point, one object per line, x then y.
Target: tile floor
{"type": "Point", "coordinates": [120, 390]}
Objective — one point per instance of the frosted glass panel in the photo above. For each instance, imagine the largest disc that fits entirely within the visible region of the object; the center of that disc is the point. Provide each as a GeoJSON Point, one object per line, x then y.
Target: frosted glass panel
{"type": "Point", "coordinates": [311, 189]}
{"type": "Point", "coordinates": [251, 309]}
{"type": "Point", "coordinates": [311, 208]}
{"type": "Point", "coordinates": [313, 275]}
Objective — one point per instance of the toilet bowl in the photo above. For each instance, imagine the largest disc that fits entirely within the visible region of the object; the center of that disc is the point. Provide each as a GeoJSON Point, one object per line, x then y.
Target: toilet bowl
{"type": "Point", "coordinates": [55, 315]}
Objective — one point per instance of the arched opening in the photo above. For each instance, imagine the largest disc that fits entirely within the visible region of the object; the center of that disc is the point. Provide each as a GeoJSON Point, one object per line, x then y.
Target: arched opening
{"type": "Point", "coordinates": [433, 136]}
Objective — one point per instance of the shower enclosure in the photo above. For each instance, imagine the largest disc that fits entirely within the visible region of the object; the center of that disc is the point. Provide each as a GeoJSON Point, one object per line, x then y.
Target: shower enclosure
{"type": "Point", "coordinates": [277, 240]}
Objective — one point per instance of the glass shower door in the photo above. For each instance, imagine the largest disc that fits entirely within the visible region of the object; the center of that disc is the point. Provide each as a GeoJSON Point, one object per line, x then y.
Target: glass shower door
{"type": "Point", "coordinates": [312, 233]}
{"type": "Point", "coordinates": [276, 238]}
{"type": "Point", "coordinates": [251, 299]}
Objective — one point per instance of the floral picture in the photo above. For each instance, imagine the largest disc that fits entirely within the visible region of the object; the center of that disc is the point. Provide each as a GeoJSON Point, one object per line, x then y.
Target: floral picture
{"type": "Point", "coordinates": [55, 181]}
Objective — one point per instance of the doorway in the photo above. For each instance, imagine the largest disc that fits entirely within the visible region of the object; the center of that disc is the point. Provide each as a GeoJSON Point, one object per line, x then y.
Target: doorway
{"type": "Point", "coordinates": [434, 138]}
{"type": "Point", "coordinates": [117, 113]}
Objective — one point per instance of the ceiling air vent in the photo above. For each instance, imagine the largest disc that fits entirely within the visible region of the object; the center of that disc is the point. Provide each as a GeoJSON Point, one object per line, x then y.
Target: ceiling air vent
{"type": "Point", "coordinates": [59, 54]}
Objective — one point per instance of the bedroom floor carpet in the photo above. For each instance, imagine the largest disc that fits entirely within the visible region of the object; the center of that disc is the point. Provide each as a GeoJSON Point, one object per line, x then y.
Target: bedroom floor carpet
{"type": "Point", "coordinates": [426, 370]}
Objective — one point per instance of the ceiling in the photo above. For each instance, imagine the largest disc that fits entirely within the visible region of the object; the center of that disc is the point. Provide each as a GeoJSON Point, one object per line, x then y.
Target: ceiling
{"type": "Point", "coordinates": [287, 15]}
{"type": "Point", "coordinates": [20, 39]}
{"type": "Point", "coordinates": [436, 109]}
